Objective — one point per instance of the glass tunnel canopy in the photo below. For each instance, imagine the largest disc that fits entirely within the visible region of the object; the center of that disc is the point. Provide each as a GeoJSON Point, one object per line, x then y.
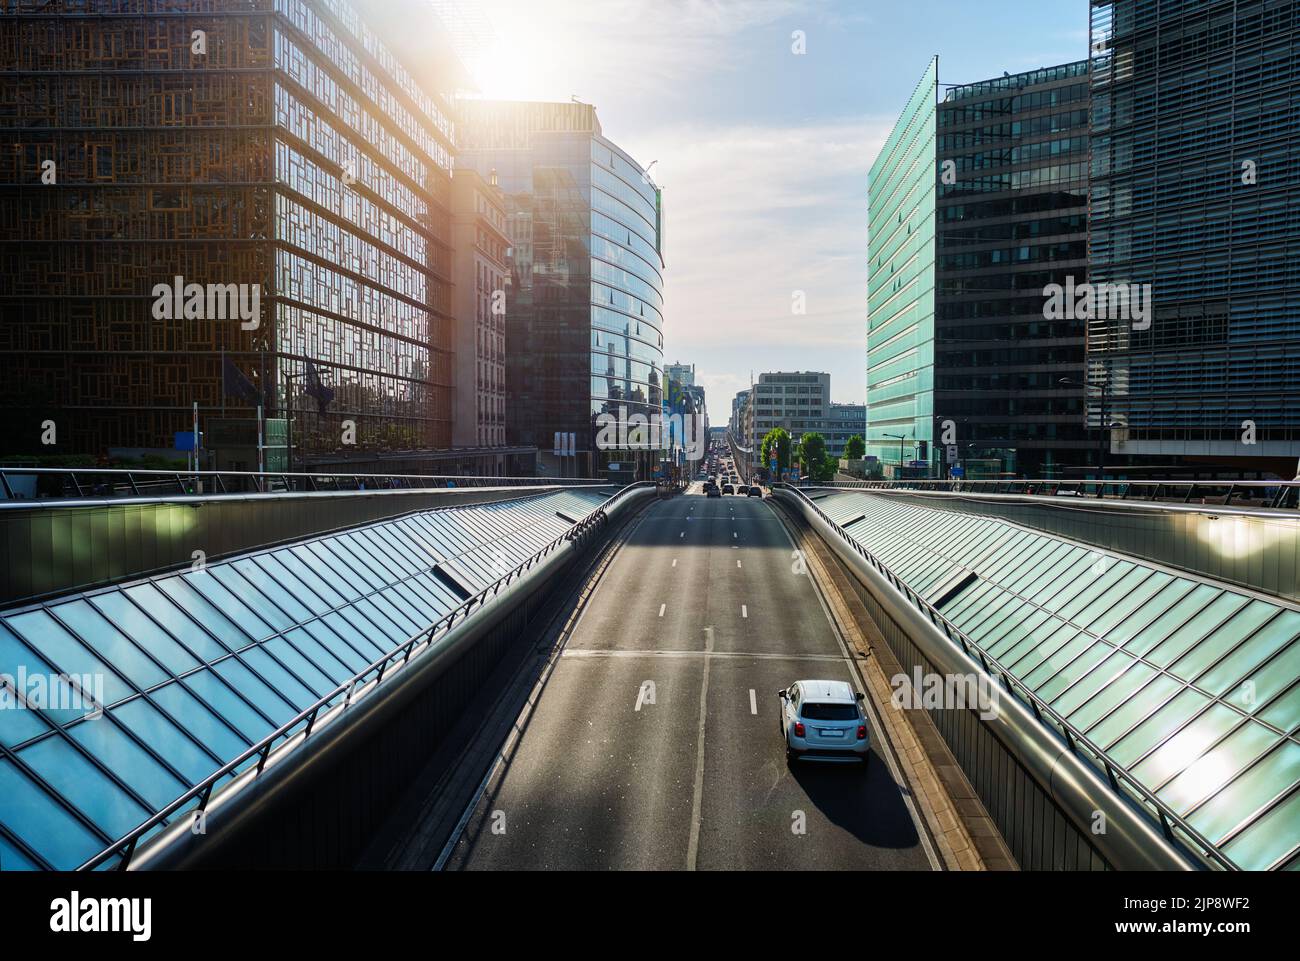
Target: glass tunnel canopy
{"type": "Point", "coordinates": [129, 696]}
{"type": "Point", "coordinates": [1190, 686]}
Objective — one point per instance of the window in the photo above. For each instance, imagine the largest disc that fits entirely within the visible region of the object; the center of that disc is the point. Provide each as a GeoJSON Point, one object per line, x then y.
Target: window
{"type": "Point", "coordinates": [830, 712]}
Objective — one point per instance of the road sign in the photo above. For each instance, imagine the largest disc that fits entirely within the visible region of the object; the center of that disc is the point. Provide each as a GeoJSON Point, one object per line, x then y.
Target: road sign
{"type": "Point", "coordinates": [958, 472]}
{"type": "Point", "coordinates": [952, 453]}
{"type": "Point", "coordinates": [185, 440]}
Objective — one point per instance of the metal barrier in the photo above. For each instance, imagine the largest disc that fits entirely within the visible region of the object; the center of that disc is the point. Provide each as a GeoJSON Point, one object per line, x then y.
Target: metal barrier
{"type": "Point", "coordinates": [1174, 828]}
{"type": "Point", "coordinates": [1273, 494]}
{"type": "Point", "coordinates": [69, 483]}
{"type": "Point", "coordinates": [370, 676]}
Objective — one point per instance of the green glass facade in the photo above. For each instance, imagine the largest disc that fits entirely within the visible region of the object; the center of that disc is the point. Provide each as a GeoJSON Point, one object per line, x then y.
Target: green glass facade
{"type": "Point", "coordinates": [900, 283]}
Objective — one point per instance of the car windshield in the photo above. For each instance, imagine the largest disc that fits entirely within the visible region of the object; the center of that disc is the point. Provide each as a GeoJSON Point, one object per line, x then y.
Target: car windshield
{"type": "Point", "coordinates": [830, 712]}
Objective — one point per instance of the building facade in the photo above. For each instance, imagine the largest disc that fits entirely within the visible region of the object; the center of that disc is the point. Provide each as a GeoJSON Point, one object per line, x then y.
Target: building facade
{"type": "Point", "coordinates": [843, 421]}
{"type": "Point", "coordinates": [1195, 171]}
{"type": "Point", "coordinates": [799, 401]}
{"type": "Point", "coordinates": [480, 244]}
{"type": "Point", "coordinates": [901, 200]}
{"type": "Point", "coordinates": [684, 374]}
{"type": "Point", "coordinates": [239, 203]}
{"type": "Point", "coordinates": [1012, 220]}
{"type": "Point", "coordinates": [584, 313]}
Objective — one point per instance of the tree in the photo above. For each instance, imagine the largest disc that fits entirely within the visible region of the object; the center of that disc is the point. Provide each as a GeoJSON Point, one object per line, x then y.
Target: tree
{"type": "Point", "coordinates": [812, 452]}
{"type": "Point", "coordinates": [776, 444]}
{"type": "Point", "coordinates": [830, 467]}
{"type": "Point", "coordinates": [855, 448]}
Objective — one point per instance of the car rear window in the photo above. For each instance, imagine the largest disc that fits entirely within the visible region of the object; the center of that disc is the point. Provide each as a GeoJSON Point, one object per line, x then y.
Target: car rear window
{"type": "Point", "coordinates": [830, 712]}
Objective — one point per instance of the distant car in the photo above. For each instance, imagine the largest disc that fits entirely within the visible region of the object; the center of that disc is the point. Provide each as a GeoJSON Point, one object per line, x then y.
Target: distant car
{"type": "Point", "coordinates": [728, 489]}
{"type": "Point", "coordinates": [823, 721]}
{"type": "Point", "coordinates": [712, 491]}
{"type": "Point", "coordinates": [754, 492]}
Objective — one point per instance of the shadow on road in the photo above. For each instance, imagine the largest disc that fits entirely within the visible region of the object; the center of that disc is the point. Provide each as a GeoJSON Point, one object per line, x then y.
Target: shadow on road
{"type": "Point", "coordinates": [869, 805]}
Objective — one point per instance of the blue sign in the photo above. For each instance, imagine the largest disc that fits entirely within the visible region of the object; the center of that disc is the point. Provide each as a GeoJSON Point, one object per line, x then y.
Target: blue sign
{"type": "Point", "coordinates": [774, 465]}
{"type": "Point", "coordinates": [958, 471]}
{"type": "Point", "coordinates": [185, 440]}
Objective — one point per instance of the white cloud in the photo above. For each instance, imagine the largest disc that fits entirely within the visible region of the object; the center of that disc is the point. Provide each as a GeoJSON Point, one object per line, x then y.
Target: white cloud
{"type": "Point", "coordinates": [753, 214]}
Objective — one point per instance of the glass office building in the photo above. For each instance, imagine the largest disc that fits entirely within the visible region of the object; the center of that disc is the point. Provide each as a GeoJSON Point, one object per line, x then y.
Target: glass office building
{"type": "Point", "coordinates": [584, 315]}
{"type": "Point", "coordinates": [275, 146]}
{"type": "Point", "coordinates": [900, 284]}
{"type": "Point", "coordinates": [1195, 171]}
{"type": "Point", "coordinates": [1012, 220]}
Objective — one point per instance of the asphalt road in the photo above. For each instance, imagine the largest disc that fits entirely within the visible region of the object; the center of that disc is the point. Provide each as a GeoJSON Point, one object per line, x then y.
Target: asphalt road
{"type": "Point", "coordinates": [655, 742]}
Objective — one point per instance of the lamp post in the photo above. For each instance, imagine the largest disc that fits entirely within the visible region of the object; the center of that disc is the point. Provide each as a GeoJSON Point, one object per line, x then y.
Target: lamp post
{"type": "Point", "coordinates": [1103, 425]}
{"type": "Point", "coordinates": [901, 438]}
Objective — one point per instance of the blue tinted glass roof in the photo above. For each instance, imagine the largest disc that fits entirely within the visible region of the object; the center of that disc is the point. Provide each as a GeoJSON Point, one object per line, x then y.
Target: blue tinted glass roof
{"type": "Point", "coordinates": [1191, 686]}
{"type": "Point", "coordinates": [124, 698]}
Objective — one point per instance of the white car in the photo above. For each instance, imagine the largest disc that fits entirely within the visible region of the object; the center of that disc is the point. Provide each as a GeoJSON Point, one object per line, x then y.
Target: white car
{"type": "Point", "coordinates": [823, 721]}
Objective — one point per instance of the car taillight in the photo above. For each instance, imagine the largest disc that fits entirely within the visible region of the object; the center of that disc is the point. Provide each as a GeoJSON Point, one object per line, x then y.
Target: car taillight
{"type": "Point", "coordinates": [798, 728]}
{"type": "Point", "coordinates": [862, 732]}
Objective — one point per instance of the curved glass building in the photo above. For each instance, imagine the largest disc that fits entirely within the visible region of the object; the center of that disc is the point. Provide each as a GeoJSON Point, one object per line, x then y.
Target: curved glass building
{"type": "Point", "coordinates": [584, 297]}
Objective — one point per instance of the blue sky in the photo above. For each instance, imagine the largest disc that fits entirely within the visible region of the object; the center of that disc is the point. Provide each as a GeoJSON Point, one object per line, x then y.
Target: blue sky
{"type": "Point", "coordinates": [763, 154]}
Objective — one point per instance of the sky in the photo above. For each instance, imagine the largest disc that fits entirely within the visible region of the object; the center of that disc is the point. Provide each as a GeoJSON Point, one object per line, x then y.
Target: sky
{"type": "Point", "coordinates": [762, 153]}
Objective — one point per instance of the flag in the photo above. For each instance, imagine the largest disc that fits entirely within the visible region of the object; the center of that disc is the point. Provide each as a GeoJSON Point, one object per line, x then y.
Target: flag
{"type": "Point", "coordinates": [315, 388]}
{"type": "Point", "coordinates": [236, 383]}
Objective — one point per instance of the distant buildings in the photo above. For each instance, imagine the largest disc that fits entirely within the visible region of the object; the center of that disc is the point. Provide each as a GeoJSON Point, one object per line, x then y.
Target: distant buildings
{"type": "Point", "coordinates": [845, 421]}
{"type": "Point", "coordinates": [584, 321]}
{"type": "Point", "coordinates": [287, 168]}
{"type": "Point", "coordinates": [800, 402]}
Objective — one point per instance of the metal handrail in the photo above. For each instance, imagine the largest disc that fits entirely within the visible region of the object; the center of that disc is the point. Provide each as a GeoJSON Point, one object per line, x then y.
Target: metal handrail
{"type": "Point", "coordinates": [1072, 736]}
{"type": "Point", "coordinates": [93, 482]}
{"type": "Point", "coordinates": [1277, 494]}
{"type": "Point", "coordinates": [125, 846]}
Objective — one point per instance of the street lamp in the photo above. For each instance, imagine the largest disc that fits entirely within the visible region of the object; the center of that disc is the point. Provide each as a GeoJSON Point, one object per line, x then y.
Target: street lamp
{"type": "Point", "coordinates": [1104, 425]}
{"type": "Point", "coordinates": [901, 439]}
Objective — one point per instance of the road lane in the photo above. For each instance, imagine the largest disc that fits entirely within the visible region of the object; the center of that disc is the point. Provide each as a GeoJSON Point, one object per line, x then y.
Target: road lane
{"type": "Point", "coordinates": [644, 750]}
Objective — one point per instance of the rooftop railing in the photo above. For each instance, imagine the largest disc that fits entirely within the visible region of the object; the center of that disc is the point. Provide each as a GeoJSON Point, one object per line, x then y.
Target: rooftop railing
{"type": "Point", "coordinates": [1278, 495]}
{"type": "Point", "coordinates": [73, 483]}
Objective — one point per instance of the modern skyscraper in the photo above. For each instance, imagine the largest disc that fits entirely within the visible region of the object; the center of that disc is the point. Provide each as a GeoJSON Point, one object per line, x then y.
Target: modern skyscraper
{"type": "Point", "coordinates": [235, 203]}
{"type": "Point", "coordinates": [480, 242]}
{"type": "Point", "coordinates": [901, 280]}
{"type": "Point", "coordinates": [684, 374]}
{"type": "Point", "coordinates": [584, 321]}
{"type": "Point", "coordinates": [1195, 171]}
{"type": "Point", "coordinates": [1012, 220]}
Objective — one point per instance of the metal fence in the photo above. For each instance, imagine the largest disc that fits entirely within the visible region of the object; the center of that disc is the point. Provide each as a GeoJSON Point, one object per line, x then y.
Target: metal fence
{"type": "Point", "coordinates": [1272, 494]}
{"type": "Point", "coordinates": [68, 483]}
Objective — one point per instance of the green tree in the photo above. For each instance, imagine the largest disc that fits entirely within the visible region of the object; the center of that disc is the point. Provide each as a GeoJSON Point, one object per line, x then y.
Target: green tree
{"type": "Point", "coordinates": [830, 467]}
{"type": "Point", "coordinates": [776, 444]}
{"type": "Point", "coordinates": [855, 447]}
{"type": "Point", "coordinates": [812, 454]}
